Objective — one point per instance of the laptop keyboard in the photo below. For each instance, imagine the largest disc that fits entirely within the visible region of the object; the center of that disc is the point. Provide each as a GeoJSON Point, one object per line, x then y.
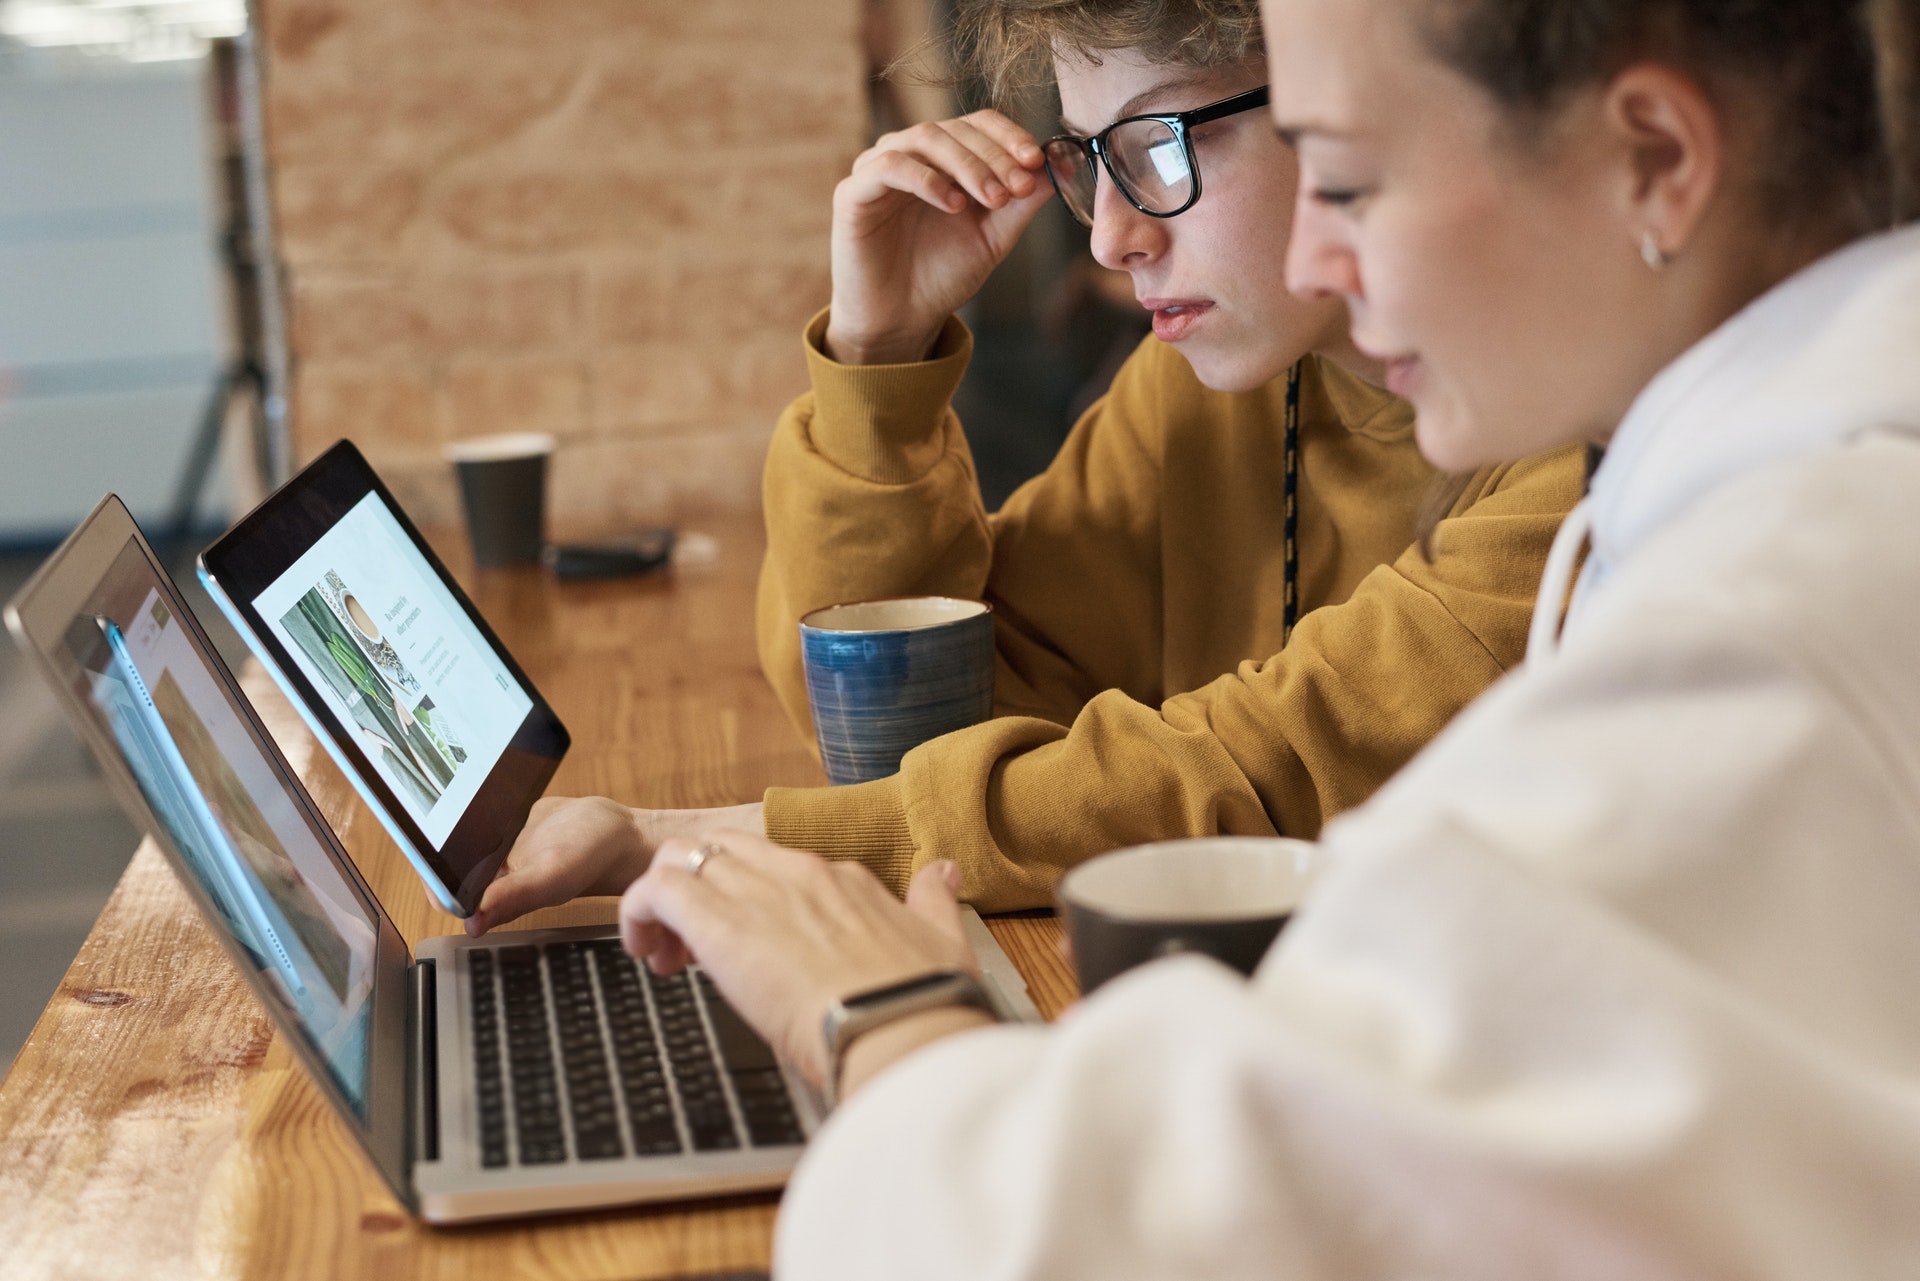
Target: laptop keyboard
{"type": "Point", "coordinates": [580, 1051]}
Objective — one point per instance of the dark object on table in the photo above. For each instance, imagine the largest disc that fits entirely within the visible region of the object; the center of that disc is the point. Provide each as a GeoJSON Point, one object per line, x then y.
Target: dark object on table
{"type": "Point", "coordinates": [503, 487]}
{"type": "Point", "coordinates": [638, 553]}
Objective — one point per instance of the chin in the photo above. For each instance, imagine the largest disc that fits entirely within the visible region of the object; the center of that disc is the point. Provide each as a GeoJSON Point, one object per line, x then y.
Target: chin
{"type": "Point", "coordinates": [1232, 371]}
{"type": "Point", "coordinates": [1450, 443]}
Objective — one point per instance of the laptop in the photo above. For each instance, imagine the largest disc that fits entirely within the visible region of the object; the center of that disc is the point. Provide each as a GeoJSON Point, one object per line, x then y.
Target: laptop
{"type": "Point", "coordinates": [521, 1073]}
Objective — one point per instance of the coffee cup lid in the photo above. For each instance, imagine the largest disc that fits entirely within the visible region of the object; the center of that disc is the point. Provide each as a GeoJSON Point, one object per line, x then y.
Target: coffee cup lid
{"type": "Point", "coordinates": [499, 448]}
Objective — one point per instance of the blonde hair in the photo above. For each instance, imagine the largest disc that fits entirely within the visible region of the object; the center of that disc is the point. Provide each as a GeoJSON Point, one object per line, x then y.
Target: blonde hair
{"type": "Point", "coordinates": [1009, 45]}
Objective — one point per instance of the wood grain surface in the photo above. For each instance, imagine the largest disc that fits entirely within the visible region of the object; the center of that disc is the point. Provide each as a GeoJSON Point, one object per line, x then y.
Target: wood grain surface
{"type": "Point", "coordinates": [154, 1127]}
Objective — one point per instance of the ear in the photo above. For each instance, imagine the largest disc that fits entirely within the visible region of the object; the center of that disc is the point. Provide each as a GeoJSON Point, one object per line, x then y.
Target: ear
{"type": "Point", "coordinates": [1674, 145]}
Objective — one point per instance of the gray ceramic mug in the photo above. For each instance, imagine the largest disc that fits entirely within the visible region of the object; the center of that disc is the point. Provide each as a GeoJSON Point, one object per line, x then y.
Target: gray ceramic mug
{"type": "Point", "coordinates": [884, 676]}
{"type": "Point", "coordinates": [1220, 896]}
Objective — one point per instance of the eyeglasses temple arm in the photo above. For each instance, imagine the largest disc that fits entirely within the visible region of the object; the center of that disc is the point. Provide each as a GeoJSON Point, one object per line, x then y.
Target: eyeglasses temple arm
{"type": "Point", "coordinates": [1228, 107]}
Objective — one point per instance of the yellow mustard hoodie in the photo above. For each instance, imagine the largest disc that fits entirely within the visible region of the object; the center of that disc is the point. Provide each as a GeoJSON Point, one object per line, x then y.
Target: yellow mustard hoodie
{"type": "Point", "coordinates": [1142, 689]}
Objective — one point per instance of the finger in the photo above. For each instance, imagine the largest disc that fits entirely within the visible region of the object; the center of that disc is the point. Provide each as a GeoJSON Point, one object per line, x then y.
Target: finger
{"type": "Point", "coordinates": [969, 157]}
{"type": "Point", "coordinates": [668, 955]}
{"type": "Point", "coordinates": [643, 933]}
{"type": "Point", "coordinates": [678, 855]}
{"type": "Point", "coordinates": [932, 141]}
{"type": "Point", "coordinates": [658, 948]}
{"type": "Point", "coordinates": [672, 907]}
{"type": "Point", "coordinates": [750, 850]}
{"type": "Point", "coordinates": [1015, 179]}
{"type": "Point", "coordinates": [896, 171]}
{"type": "Point", "coordinates": [1014, 139]}
{"type": "Point", "coordinates": [949, 148]}
{"type": "Point", "coordinates": [933, 896]}
{"type": "Point", "coordinates": [512, 895]}
{"type": "Point", "coordinates": [1007, 224]}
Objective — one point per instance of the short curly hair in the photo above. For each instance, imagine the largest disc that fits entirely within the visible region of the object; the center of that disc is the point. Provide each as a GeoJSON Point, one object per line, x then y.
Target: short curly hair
{"type": "Point", "coordinates": [1009, 45]}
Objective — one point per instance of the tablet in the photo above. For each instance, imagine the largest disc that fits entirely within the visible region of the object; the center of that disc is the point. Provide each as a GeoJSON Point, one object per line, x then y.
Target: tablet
{"type": "Point", "coordinates": [399, 676]}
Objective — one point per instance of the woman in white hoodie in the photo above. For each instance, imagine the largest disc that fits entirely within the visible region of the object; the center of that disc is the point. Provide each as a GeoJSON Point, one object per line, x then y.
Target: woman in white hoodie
{"type": "Point", "coordinates": [1620, 977]}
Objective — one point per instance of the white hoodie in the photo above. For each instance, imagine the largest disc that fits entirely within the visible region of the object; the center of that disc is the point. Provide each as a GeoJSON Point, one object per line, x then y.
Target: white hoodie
{"type": "Point", "coordinates": [1619, 979]}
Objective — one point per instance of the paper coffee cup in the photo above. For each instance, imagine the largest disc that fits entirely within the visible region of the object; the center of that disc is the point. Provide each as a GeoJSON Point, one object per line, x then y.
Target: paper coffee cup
{"type": "Point", "coordinates": [503, 489]}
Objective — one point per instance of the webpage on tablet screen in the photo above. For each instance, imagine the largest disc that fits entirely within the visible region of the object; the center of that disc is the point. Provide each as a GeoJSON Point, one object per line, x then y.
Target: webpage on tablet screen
{"type": "Point", "coordinates": [398, 662]}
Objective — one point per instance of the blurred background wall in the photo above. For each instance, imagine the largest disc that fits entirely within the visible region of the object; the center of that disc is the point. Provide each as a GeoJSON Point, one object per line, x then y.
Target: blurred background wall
{"type": "Point", "coordinates": [111, 327]}
{"type": "Point", "coordinates": [604, 219]}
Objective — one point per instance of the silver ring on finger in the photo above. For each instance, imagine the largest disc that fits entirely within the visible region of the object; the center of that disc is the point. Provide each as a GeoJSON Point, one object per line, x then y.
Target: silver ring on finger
{"type": "Point", "coordinates": [697, 857]}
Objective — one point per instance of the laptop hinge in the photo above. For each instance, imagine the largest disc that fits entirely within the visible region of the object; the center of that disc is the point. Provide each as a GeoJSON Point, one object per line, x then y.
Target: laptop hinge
{"type": "Point", "coordinates": [424, 1045]}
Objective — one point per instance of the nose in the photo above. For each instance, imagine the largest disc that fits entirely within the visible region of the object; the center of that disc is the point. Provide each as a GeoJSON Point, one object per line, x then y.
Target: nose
{"type": "Point", "coordinates": [1321, 262]}
{"type": "Point", "coordinates": [1123, 237]}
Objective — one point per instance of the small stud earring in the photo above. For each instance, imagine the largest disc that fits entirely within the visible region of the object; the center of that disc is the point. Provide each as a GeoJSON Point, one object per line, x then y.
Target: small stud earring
{"type": "Point", "coordinates": [1651, 253]}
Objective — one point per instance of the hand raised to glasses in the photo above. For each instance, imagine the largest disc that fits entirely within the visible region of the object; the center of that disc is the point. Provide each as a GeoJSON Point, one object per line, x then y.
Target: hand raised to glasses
{"type": "Point", "coordinates": [588, 845]}
{"type": "Point", "coordinates": [925, 216]}
{"type": "Point", "coordinates": [785, 934]}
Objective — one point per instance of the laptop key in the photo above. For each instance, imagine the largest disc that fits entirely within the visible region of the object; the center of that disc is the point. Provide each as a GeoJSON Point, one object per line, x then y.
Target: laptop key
{"type": "Point", "coordinates": [767, 1108]}
{"type": "Point", "coordinates": [590, 1104]}
{"type": "Point", "coordinates": [764, 1103]}
{"type": "Point", "coordinates": [643, 1084]}
{"type": "Point", "coordinates": [489, 1090]}
{"type": "Point", "coordinates": [536, 1094]}
{"type": "Point", "coordinates": [695, 1075]}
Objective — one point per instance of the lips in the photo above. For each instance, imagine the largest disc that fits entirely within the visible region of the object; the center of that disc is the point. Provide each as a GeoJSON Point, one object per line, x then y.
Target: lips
{"type": "Point", "coordinates": [1175, 318]}
{"type": "Point", "coordinates": [1403, 375]}
{"type": "Point", "coordinates": [1403, 372]}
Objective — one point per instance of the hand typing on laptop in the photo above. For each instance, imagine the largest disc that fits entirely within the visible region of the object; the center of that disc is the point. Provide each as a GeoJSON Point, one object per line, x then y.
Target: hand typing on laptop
{"type": "Point", "coordinates": [786, 935]}
{"type": "Point", "coordinates": [572, 846]}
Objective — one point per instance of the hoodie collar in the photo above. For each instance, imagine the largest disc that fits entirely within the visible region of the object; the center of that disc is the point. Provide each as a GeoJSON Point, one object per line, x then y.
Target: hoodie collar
{"type": "Point", "coordinates": [1826, 354]}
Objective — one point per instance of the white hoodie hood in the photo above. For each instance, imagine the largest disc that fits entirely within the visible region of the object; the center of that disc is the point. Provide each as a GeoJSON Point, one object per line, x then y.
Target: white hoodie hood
{"type": "Point", "coordinates": [1836, 340]}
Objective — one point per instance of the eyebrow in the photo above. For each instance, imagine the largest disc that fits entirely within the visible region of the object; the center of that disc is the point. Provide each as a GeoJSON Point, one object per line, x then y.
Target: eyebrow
{"type": "Point", "coordinates": [1291, 134]}
{"type": "Point", "coordinates": [1131, 107]}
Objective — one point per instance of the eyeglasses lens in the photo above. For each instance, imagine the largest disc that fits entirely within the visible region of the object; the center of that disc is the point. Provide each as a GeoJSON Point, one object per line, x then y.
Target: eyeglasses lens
{"type": "Point", "coordinates": [1150, 162]}
{"type": "Point", "coordinates": [1071, 168]}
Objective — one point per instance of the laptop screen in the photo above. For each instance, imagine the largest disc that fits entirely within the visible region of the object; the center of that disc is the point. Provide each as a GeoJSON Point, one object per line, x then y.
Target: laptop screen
{"type": "Point", "coordinates": [231, 819]}
{"type": "Point", "coordinates": [377, 633]}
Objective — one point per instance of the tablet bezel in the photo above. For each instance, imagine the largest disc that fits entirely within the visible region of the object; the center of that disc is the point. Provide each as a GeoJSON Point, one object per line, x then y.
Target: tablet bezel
{"type": "Point", "coordinates": [253, 555]}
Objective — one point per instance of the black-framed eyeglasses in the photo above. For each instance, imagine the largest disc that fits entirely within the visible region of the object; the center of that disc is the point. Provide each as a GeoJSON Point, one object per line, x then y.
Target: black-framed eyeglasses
{"type": "Point", "coordinates": [1150, 159]}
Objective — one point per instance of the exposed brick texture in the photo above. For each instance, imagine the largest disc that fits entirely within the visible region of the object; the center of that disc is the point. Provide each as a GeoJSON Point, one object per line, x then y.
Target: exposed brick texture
{"type": "Point", "coordinates": [604, 219]}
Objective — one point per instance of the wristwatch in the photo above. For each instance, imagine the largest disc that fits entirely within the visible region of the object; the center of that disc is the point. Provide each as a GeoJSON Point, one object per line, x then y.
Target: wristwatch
{"type": "Point", "coordinates": [851, 1016]}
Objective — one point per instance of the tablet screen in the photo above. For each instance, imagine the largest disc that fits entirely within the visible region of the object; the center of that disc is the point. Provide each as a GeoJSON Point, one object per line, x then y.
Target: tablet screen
{"type": "Point", "coordinates": [395, 657]}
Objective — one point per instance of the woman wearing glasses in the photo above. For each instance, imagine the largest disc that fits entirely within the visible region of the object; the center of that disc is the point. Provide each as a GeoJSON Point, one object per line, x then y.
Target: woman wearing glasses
{"type": "Point", "coordinates": [1245, 473]}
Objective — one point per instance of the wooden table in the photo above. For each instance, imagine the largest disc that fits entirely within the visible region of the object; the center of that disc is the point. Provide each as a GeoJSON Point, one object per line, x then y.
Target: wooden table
{"type": "Point", "coordinates": [153, 1127]}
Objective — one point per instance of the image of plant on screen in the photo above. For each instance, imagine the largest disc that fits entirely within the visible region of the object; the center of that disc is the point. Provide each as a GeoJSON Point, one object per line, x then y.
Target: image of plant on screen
{"type": "Point", "coordinates": [394, 732]}
{"type": "Point", "coordinates": [366, 633]}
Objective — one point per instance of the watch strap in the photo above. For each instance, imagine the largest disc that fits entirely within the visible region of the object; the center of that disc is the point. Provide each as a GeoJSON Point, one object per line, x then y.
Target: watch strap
{"type": "Point", "coordinates": [850, 1017]}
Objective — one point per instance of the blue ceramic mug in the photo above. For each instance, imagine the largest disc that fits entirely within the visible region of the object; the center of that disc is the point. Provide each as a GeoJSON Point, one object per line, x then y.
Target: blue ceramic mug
{"type": "Point", "coordinates": [884, 676]}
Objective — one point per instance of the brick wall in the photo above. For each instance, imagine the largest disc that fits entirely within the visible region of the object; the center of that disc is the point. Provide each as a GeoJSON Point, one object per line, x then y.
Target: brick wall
{"type": "Point", "coordinates": [604, 219]}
